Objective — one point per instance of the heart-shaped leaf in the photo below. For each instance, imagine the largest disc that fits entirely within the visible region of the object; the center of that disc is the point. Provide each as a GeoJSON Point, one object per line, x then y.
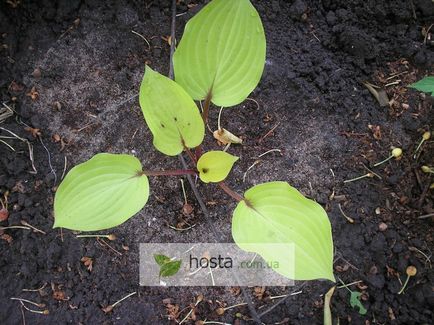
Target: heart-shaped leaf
{"type": "Point", "coordinates": [222, 52]}
{"type": "Point", "coordinates": [170, 113]}
{"type": "Point", "coordinates": [214, 166]}
{"type": "Point", "coordinates": [100, 193]}
{"type": "Point", "coordinates": [276, 213]}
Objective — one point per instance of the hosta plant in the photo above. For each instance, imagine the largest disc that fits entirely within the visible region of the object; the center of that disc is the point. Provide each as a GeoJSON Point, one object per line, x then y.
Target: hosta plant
{"type": "Point", "coordinates": [219, 60]}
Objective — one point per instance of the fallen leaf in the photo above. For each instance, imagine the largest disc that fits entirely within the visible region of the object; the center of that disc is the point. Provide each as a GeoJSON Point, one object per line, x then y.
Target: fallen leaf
{"type": "Point", "coordinates": [88, 262]}
{"type": "Point", "coordinates": [225, 137]}
{"type": "Point", "coordinates": [33, 131]}
{"type": "Point", "coordinates": [33, 93]}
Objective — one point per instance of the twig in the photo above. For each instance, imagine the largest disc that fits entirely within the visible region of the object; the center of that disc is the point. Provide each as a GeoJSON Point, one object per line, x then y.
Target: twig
{"type": "Point", "coordinates": [126, 297]}
{"type": "Point", "coordinates": [42, 312]}
{"type": "Point", "coordinates": [269, 132]}
{"type": "Point", "coordinates": [349, 219]}
{"type": "Point", "coordinates": [99, 240]}
{"type": "Point", "coordinates": [30, 147]}
{"type": "Point", "coordinates": [426, 216]}
{"type": "Point", "coordinates": [282, 300]}
{"type": "Point", "coordinates": [143, 38]}
{"type": "Point", "coordinates": [49, 160]}
{"type": "Point", "coordinates": [7, 144]}
{"type": "Point", "coordinates": [15, 227]}
{"type": "Point", "coordinates": [250, 167]}
{"type": "Point", "coordinates": [29, 301]}
{"type": "Point", "coordinates": [64, 168]}
{"type": "Point", "coordinates": [24, 223]}
{"type": "Point", "coordinates": [36, 290]}
{"type": "Point", "coordinates": [269, 151]}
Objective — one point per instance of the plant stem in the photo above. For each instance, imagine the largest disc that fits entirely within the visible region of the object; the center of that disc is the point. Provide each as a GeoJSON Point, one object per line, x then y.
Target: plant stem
{"type": "Point", "coordinates": [230, 192]}
{"type": "Point", "coordinates": [382, 162]}
{"type": "Point", "coordinates": [206, 106]}
{"type": "Point", "coordinates": [176, 172]}
{"type": "Point", "coordinates": [405, 284]}
{"type": "Point", "coordinates": [190, 155]}
{"type": "Point", "coordinates": [358, 178]}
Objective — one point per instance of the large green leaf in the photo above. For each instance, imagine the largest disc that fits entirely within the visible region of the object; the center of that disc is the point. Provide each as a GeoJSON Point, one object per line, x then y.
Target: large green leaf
{"type": "Point", "coordinates": [276, 213]}
{"type": "Point", "coordinates": [171, 114]}
{"type": "Point", "coordinates": [222, 52]}
{"type": "Point", "coordinates": [425, 85]}
{"type": "Point", "coordinates": [100, 193]}
{"type": "Point", "coordinates": [214, 166]}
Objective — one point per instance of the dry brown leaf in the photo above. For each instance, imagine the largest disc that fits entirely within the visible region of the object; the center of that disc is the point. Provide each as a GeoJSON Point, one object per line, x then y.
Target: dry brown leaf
{"type": "Point", "coordinates": [33, 93]}
{"type": "Point", "coordinates": [88, 262]}
{"type": "Point", "coordinates": [225, 137]}
{"type": "Point", "coordinates": [4, 214]}
{"type": "Point", "coordinates": [33, 131]}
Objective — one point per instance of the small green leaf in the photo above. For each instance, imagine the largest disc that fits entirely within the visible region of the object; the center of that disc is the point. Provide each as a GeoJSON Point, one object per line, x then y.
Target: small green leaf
{"type": "Point", "coordinates": [100, 193]}
{"type": "Point", "coordinates": [355, 302]}
{"type": "Point", "coordinates": [170, 113]}
{"type": "Point", "coordinates": [276, 213]}
{"type": "Point", "coordinates": [214, 166]}
{"type": "Point", "coordinates": [425, 85]}
{"type": "Point", "coordinates": [222, 52]}
{"type": "Point", "coordinates": [170, 268]}
{"type": "Point", "coordinates": [161, 259]}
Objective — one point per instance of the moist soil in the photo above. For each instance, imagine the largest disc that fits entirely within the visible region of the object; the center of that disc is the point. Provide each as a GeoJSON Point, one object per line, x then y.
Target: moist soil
{"type": "Point", "coordinates": [72, 70]}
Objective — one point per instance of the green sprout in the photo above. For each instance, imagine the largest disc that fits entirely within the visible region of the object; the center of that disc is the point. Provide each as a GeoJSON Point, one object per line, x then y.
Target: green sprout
{"type": "Point", "coordinates": [427, 169]}
{"type": "Point", "coordinates": [396, 153]}
{"type": "Point", "coordinates": [411, 271]}
{"type": "Point", "coordinates": [425, 137]}
{"type": "Point", "coordinates": [109, 189]}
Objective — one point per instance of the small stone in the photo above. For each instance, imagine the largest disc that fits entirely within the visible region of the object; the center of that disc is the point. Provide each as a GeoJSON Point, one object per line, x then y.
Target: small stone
{"type": "Point", "coordinates": [382, 226]}
{"type": "Point", "coordinates": [37, 73]}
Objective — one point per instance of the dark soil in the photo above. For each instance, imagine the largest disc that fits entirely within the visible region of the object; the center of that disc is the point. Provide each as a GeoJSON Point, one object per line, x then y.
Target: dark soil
{"type": "Point", "coordinates": [327, 125]}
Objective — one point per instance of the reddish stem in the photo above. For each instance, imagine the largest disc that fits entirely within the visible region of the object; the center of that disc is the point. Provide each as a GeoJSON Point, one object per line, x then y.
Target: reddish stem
{"type": "Point", "coordinates": [176, 172]}
{"type": "Point", "coordinates": [231, 192]}
{"type": "Point", "coordinates": [190, 154]}
{"type": "Point", "coordinates": [206, 106]}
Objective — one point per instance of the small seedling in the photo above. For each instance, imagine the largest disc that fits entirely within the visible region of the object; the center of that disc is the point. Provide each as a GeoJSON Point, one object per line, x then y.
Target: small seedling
{"type": "Point", "coordinates": [370, 175]}
{"type": "Point", "coordinates": [396, 153]}
{"type": "Point", "coordinates": [427, 169]}
{"type": "Point", "coordinates": [355, 299]}
{"type": "Point", "coordinates": [411, 271]}
{"type": "Point", "coordinates": [168, 266]}
{"type": "Point", "coordinates": [425, 137]}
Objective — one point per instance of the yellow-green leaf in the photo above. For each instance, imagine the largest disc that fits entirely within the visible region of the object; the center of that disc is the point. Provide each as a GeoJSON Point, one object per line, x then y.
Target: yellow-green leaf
{"type": "Point", "coordinates": [276, 213]}
{"type": "Point", "coordinates": [222, 52]}
{"type": "Point", "coordinates": [214, 166]}
{"type": "Point", "coordinates": [100, 193]}
{"type": "Point", "coordinates": [170, 113]}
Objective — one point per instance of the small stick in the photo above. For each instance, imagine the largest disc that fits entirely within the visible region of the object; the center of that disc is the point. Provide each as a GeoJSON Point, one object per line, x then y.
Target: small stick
{"type": "Point", "coordinates": [182, 229]}
{"type": "Point", "coordinates": [109, 236]}
{"type": "Point", "coordinates": [36, 290]}
{"type": "Point", "coordinates": [142, 37]}
{"type": "Point", "coordinates": [248, 169]}
{"type": "Point", "coordinates": [370, 175]}
{"type": "Point", "coordinates": [393, 83]}
{"type": "Point", "coordinates": [7, 144]}
{"type": "Point", "coordinates": [350, 220]}
{"type": "Point", "coordinates": [349, 284]}
{"type": "Point", "coordinates": [24, 223]}
{"type": "Point", "coordinates": [15, 227]}
{"type": "Point", "coordinates": [102, 241]}
{"type": "Point", "coordinates": [269, 151]}
{"type": "Point", "coordinates": [183, 191]}
{"type": "Point", "coordinates": [268, 133]}
{"type": "Point", "coordinates": [198, 300]}
{"type": "Point", "coordinates": [254, 101]}
{"type": "Point", "coordinates": [426, 216]}
{"type": "Point", "coordinates": [64, 168]}
{"type": "Point", "coordinates": [284, 296]}
{"type": "Point", "coordinates": [43, 312]}
{"type": "Point", "coordinates": [29, 301]}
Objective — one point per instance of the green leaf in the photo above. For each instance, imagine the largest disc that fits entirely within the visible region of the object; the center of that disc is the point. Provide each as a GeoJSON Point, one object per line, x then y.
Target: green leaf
{"type": "Point", "coordinates": [100, 193]}
{"type": "Point", "coordinates": [170, 113]}
{"type": "Point", "coordinates": [355, 302]}
{"type": "Point", "coordinates": [161, 259]}
{"type": "Point", "coordinates": [425, 85]}
{"type": "Point", "coordinates": [214, 166]}
{"type": "Point", "coordinates": [222, 52]}
{"type": "Point", "coordinates": [170, 268]}
{"type": "Point", "coordinates": [276, 213]}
